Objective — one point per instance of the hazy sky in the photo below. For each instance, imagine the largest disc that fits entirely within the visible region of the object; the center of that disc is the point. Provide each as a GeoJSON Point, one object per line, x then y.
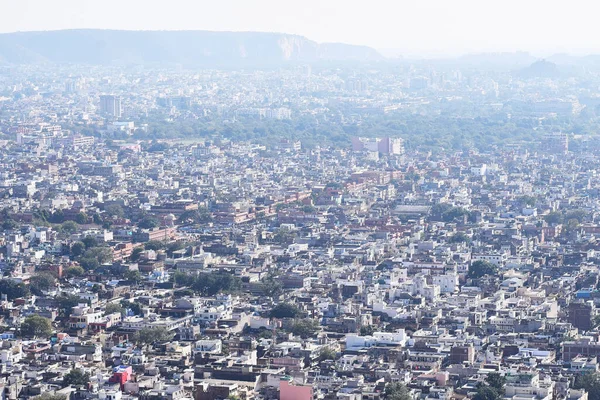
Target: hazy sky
{"type": "Point", "coordinates": [417, 27]}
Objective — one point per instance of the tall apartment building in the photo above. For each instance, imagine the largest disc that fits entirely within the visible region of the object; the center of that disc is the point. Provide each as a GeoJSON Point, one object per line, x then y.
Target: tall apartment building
{"type": "Point", "coordinates": [384, 145]}
{"type": "Point", "coordinates": [111, 105]}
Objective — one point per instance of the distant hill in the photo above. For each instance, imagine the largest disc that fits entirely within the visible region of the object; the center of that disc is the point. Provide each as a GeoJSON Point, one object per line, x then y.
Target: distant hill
{"type": "Point", "coordinates": [197, 48]}
{"type": "Point", "coordinates": [540, 69]}
{"type": "Point", "coordinates": [497, 60]}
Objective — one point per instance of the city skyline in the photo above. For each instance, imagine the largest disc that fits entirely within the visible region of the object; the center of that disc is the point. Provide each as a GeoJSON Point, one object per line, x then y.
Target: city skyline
{"type": "Point", "coordinates": [430, 28]}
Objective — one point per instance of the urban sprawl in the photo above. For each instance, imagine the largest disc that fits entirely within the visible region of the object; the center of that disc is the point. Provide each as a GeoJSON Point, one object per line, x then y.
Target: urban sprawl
{"type": "Point", "coordinates": [174, 234]}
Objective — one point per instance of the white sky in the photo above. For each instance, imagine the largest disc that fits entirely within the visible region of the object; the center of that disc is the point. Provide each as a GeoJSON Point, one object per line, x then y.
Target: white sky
{"type": "Point", "coordinates": [416, 27]}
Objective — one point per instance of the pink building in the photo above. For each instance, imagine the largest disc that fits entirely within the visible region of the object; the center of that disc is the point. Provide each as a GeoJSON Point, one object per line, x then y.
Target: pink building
{"type": "Point", "coordinates": [288, 391]}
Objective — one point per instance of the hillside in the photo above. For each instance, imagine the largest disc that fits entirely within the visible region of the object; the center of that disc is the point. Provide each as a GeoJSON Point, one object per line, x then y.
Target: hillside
{"type": "Point", "coordinates": [540, 69]}
{"type": "Point", "coordinates": [193, 48]}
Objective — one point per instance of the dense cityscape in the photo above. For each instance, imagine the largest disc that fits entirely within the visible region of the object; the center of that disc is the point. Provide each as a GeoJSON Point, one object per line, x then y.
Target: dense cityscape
{"type": "Point", "coordinates": [391, 230]}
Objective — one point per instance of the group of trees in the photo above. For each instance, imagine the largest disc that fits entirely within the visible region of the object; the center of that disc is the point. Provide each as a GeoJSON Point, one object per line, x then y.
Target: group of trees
{"type": "Point", "coordinates": [76, 377]}
{"type": "Point", "coordinates": [196, 217]}
{"type": "Point", "coordinates": [90, 254]}
{"type": "Point", "coordinates": [459, 237]}
{"type": "Point", "coordinates": [7, 222]}
{"type": "Point", "coordinates": [571, 219]}
{"type": "Point", "coordinates": [272, 287]}
{"type": "Point", "coordinates": [36, 326]}
{"type": "Point", "coordinates": [285, 310]}
{"type": "Point", "coordinates": [209, 284]}
{"type": "Point", "coordinates": [284, 236]}
{"type": "Point", "coordinates": [301, 325]}
{"type": "Point", "coordinates": [169, 247]}
{"type": "Point", "coordinates": [397, 391]}
{"type": "Point", "coordinates": [481, 268]}
{"type": "Point", "coordinates": [591, 384]}
{"type": "Point", "coordinates": [58, 216]}
{"type": "Point", "coordinates": [65, 303]}
{"type": "Point", "coordinates": [152, 335]}
{"type": "Point", "coordinates": [135, 307]}
{"type": "Point", "coordinates": [41, 282]}
{"type": "Point", "coordinates": [493, 389]}
{"type": "Point", "coordinates": [45, 217]}
{"type": "Point", "coordinates": [305, 327]}
{"type": "Point", "coordinates": [327, 353]}
{"type": "Point", "coordinates": [449, 213]}
{"type": "Point", "coordinates": [456, 126]}
{"type": "Point", "coordinates": [113, 308]}
{"type": "Point", "coordinates": [367, 330]}
{"type": "Point", "coordinates": [148, 222]}
{"type": "Point", "coordinates": [13, 290]}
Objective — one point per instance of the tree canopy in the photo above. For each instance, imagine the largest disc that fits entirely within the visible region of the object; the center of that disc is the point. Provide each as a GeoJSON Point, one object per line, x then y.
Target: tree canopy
{"type": "Point", "coordinates": [76, 377]}
{"type": "Point", "coordinates": [305, 327]}
{"type": "Point", "coordinates": [481, 268]}
{"type": "Point", "coordinates": [591, 384]}
{"type": "Point", "coordinates": [13, 290]}
{"type": "Point", "coordinates": [41, 282]}
{"type": "Point", "coordinates": [36, 326]}
{"type": "Point", "coordinates": [397, 391]}
{"type": "Point", "coordinates": [285, 310]}
{"type": "Point", "coordinates": [152, 335]}
{"type": "Point", "coordinates": [487, 393]}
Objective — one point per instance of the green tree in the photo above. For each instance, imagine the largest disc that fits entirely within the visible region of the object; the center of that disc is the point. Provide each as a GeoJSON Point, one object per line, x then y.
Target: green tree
{"type": "Point", "coordinates": [591, 383]}
{"type": "Point", "coordinates": [305, 328]}
{"type": "Point", "coordinates": [285, 310]}
{"type": "Point", "coordinates": [36, 326]}
{"type": "Point", "coordinates": [57, 217]}
{"type": "Point", "coordinates": [327, 353]}
{"type": "Point", "coordinates": [135, 307]}
{"type": "Point", "coordinates": [497, 381]}
{"type": "Point", "coordinates": [69, 227]}
{"type": "Point", "coordinates": [482, 268]}
{"type": "Point", "coordinates": [76, 377]}
{"type": "Point", "coordinates": [571, 225]}
{"type": "Point", "coordinates": [199, 216]}
{"type": "Point", "coordinates": [578, 215]}
{"type": "Point", "coordinates": [397, 391]}
{"type": "Point", "coordinates": [77, 249]}
{"type": "Point", "coordinates": [526, 200]}
{"type": "Point", "coordinates": [115, 210]}
{"type": "Point", "coordinates": [209, 284]}
{"type": "Point", "coordinates": [65, 303]}
{"type": "Point", "coordinates": [148, 222]}
{"type": "Point", "coordinates": [113, 308]}
{"type": "Point", "coordinates": [42, 282]}
{"type": "Point", "coordinates": [102, 254]}
{"type": "Point", "coordinates": [154, 245]}
{"type": "Point", "coordinates": [284, 236]}
{"type": "Point", "coordinates": [89, 264]}
{"type": "Point", "coordinates": [454, 213]}
{"type": "Point", "coordinates": [487, 393]}
{"type": "Point", "coordinates": [183, 279]}
{"type": "Point", "coordinates": [81, 218]}
{"type": "Point", "coordinates": [153, 335]}
{"type": "Point", "coordinates": [89, 242]}
{"type": "Point", "coordinates": [133, 276]}
{"type": "Point", "coordinates": [367, 330]}
{"type": "Point", "coordinates": [272, 286]}
{"type": "Point", "coordinates": [459, 237]}
{"type": "Point", "coordinates": [135, 254]}
{"type": "Point", "coordinates": [74, 271]}
{"type": "Point", "coordinates": [13, 290]}
{"type": "Point", "coordinates": [6, 220]}
{"type": "Point", "coordinates": [553, 218]}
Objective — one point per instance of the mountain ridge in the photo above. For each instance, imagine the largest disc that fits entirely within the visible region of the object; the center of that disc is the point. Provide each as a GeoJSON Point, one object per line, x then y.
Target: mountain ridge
{"type": "Point", "coordinates": [201, 48]}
